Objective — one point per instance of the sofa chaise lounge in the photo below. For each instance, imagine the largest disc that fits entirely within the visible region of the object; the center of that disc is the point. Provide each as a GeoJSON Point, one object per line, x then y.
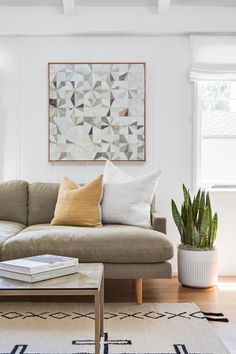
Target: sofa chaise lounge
{"type": "Point", "coordinates": [127, 252]}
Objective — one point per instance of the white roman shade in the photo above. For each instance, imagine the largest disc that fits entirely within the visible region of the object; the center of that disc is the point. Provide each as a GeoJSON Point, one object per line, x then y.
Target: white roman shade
{"type": "Point", "coordinates": [213, 58]}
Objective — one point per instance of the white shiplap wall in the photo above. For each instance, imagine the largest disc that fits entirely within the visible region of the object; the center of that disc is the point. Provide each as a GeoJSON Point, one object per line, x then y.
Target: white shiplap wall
{"type": "Point", "coordinates": [24, 117]}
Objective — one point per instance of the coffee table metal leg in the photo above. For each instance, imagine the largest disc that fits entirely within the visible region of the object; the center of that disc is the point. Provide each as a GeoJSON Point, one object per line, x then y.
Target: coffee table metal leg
{"type": "Point", "coordinates": [97, 323]}
{"type": "Point", "coordinates": [102, 308]}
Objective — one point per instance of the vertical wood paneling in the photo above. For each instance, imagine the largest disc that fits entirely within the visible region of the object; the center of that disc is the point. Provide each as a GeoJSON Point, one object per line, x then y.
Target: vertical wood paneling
{"type": "Point", "coordinates": [24, 116]}
{"type": "Point", "coordinates": [10, 103]}
{"type": "Point", "coordinates": [37, 53]}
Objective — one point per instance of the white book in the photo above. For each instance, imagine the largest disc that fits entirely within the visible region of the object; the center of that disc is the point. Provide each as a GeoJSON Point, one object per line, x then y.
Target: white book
{"type": "Point", "coordinates": [32, 278]}
{"type": "Point", "coordinates": [38, 264]}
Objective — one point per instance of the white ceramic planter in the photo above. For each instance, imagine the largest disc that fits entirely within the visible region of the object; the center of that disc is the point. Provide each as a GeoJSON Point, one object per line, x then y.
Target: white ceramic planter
{"type": "Point", "coordinates": [198, 268]}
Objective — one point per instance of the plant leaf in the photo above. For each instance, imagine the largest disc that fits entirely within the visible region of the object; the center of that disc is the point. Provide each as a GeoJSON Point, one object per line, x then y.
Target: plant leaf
{"type": "Point", "coordinates": [189, 228]}
{"type": "Point", "coordinates": [204, 227]}
{"type": "Point", "coordinates": [195, 224]}
{"type": "Point", "coordinates": [177, 219]}
{"type": "Point", "coordinates": [201, 210]}
{"type": "Point", "coordinates": [196, 202]}
{"type": "Point", "coordinates": [214, 229]}
{"type": "Point", "coordinates": [187, 198]}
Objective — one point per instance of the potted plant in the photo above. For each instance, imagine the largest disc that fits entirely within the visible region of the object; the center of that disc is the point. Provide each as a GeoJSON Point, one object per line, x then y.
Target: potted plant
{"type": "Point", "coordinates": [197, 256]}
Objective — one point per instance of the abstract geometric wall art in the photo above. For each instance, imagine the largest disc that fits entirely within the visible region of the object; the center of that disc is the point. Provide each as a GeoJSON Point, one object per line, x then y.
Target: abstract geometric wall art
{"type": "Point", "coordinates": [96, 111]}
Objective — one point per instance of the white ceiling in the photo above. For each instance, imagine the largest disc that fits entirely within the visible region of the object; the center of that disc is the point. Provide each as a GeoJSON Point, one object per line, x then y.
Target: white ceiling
{"type": "Point", "coordinates": [108, 3]}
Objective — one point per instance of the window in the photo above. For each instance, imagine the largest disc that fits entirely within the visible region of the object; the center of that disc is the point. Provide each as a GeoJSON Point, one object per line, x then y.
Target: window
{"type": "Point", "coordinates": [216, 134]}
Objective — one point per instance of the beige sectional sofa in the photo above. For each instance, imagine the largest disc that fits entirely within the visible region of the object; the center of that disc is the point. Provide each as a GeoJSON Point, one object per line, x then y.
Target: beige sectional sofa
{"type": "Point", "coordinates": [127, 252]}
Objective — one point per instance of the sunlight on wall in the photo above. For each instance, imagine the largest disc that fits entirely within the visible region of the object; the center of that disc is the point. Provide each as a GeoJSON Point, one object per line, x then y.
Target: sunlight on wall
{"type": "Point", "coordinates": [226, 286]}
{"type": "Point", "coordinates": [4, 61]}
{"type": "Point", "coordinates": [5, 68]}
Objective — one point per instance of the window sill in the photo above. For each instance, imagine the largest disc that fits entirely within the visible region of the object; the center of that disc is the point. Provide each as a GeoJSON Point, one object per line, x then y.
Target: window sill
{"type": "Point", "coordinates": [220, 190]}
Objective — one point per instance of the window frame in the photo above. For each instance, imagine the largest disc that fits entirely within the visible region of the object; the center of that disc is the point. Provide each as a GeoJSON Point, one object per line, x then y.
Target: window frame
{"type": "Point", "coordinates": [197, 125]}
{"type": "Point", "coordinates": [197, 144]}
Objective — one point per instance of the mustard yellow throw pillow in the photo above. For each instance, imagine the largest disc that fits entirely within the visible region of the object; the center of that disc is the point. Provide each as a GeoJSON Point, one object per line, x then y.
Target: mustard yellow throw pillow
{"type": "Point", "coordinates": [79, 206]}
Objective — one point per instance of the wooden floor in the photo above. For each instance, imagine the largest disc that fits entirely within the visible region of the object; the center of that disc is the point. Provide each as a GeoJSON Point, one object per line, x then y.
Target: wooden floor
{"type": "Point", "coordinates": [218, 299]}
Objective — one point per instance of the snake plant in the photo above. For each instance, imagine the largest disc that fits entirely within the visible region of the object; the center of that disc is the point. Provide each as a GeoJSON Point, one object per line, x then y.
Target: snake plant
{"type": "Point", "coordinates": [195, 222]}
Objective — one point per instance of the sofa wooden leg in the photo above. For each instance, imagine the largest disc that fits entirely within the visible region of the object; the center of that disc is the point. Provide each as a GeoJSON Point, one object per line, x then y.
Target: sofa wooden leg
{"type": "Point", "coordinates": [139, 291]}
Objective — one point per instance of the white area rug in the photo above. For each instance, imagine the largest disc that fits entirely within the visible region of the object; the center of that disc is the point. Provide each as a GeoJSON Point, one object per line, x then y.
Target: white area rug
{"type": "Point", "coordinates": [68, 328]}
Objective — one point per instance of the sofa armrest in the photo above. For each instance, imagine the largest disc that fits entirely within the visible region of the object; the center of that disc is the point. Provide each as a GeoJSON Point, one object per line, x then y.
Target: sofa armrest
{"type": "Point", "coordinates": [159, 222]}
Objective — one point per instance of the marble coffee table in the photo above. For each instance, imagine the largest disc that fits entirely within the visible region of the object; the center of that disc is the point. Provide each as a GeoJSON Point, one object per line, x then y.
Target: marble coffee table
{"type": "Point", "coordinates": [89, 281]}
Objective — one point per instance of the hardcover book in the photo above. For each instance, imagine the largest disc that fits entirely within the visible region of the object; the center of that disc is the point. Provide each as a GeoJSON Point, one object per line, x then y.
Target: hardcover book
{"type": "Point", "coordinates": [33, 278]}
{"type": "Point", "coordinates": [38, 264]}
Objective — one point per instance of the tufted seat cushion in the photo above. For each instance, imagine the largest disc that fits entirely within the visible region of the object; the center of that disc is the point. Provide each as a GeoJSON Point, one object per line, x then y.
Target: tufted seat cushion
{"type": "Point", "coordinates": [7, 230]}
{"type": "Point", "coordinates": [109, 244]}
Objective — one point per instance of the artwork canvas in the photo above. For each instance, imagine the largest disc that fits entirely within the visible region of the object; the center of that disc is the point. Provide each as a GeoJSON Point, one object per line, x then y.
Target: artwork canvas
{"type": "Point", "coordinates": [96, 111]}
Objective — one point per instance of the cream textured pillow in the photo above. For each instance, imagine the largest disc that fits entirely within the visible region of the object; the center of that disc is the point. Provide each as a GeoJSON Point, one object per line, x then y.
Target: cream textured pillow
{"type": "Point", "coordinates": [79, 206]}
{"type": "Point", "coordinates": [127, 200]}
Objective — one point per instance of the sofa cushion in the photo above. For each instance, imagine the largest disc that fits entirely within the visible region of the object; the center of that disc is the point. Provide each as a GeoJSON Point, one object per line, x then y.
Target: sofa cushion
{"type": "Point", "coordinates": [133, 197]}
{"type": "Point", "coordinates": [7, 230]}
{"type": "Point", "coordinates": [42, 202]}
{"type": "Point", "coordinates": [14, 201]}
{"type": "Point", "coordinates": [79, 205]}
{"type": "Point", "coordinates": [109, 244]}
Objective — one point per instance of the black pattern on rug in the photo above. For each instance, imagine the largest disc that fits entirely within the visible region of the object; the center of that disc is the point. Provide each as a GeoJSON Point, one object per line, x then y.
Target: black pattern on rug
{"type": "Point", "coordinates": [210, 316]}
{"type": "Point", "coordinates": [177, 348]}
{"type": "Point", "coordinates": [121, 346]}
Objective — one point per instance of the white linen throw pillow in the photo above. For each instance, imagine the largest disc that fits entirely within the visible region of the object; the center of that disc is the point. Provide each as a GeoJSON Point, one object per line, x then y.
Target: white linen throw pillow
{"type": "Point", "coordinates": [127, 200]}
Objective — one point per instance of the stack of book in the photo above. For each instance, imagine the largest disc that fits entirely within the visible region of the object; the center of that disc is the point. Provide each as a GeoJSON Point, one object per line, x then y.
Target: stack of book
{"type": "Point", "coordinates": [38, 268]}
